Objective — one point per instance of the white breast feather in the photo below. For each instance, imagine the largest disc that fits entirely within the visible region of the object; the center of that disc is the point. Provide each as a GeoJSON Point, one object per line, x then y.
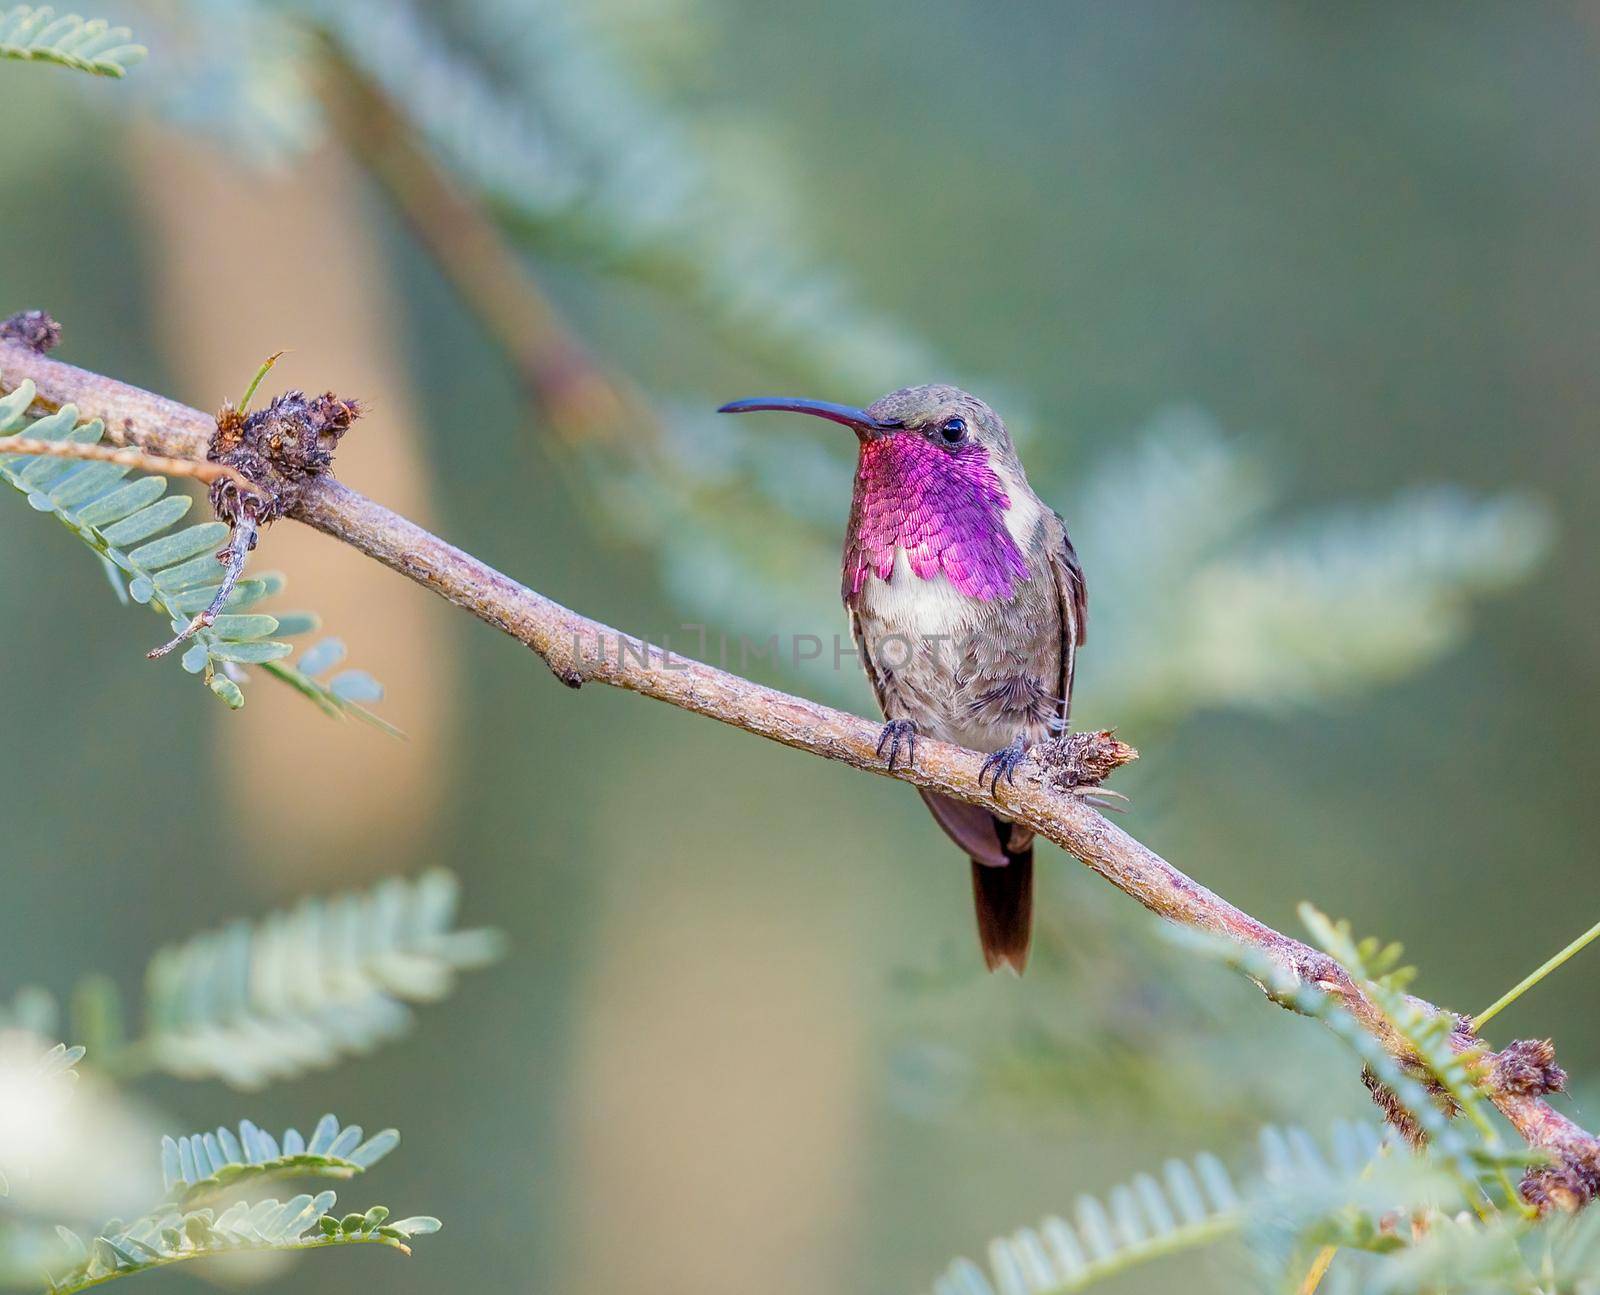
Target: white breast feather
{"type": "Point", "coordinates": [914, 607]}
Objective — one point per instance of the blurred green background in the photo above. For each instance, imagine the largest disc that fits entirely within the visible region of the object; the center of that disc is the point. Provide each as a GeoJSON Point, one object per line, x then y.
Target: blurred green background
{"type": "Point", "coordinates": [743, 1040]}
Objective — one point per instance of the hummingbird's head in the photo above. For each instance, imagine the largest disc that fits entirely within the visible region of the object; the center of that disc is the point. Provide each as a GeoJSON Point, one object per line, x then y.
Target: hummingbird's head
{"type": "Point", "coordinates": [949, 418]}
{"type": "Point", "coordinates": [936, 480]}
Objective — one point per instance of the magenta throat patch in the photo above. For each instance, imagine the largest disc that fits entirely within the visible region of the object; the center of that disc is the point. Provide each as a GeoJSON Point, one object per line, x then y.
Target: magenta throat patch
{"type": "Point", "coordinates": [945, 508]}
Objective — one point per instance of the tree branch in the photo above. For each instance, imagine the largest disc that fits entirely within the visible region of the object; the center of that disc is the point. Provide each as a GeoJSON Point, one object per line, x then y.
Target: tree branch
{"type": "Point", "coordinates": [579, 650]}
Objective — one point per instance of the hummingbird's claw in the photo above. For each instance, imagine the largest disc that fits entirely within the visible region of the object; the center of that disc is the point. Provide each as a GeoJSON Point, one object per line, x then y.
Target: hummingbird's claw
{"type": "Point", "coordinates": [894, 733]}
{"type": "Point", "coordinates": [1004, 763]}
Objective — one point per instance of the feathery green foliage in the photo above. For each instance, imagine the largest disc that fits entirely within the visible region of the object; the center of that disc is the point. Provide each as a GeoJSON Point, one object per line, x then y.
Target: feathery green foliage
{"type": "Point", "coordinates": [1462, 1254]}
{"type": "Point", "coordinates": [1403, 1215]}
{"type": "Point", "coordinates": [181, 1229]}
{"type": "Point", "coordinates": [1191, 1206]}
{"type": "Point", "coordinates": [1501, 1256]}
{"type": "Point", "coordinates": [1457, 1072]}
{"type": "Point", "coordinates": [296, 991]}
{"type": "Point", "coordinates": [199, 1167]}
{"type": "Point", "coordinates": [1446, 1144]}
{"type": "Point", "coordinates": [1565, 1252]}
{"type": "Point", "coordinates": [1214, 603]}
{"type": "Point", "coordinates": [303, 1222]}
{"type": "Point", "coordinates": [35, 34]}
{"type": "Point", "coordinates": [581, 166]}
{"type": "Point", "coordinates": [302, 988]}
{"type": "Point", "coordinates": [257, 1002]}
{"type": "Point", "coordinates": [341, 696]}
{"type": "Point", "coordinates": [129, 525]}
{"type": "Point", "coordinates": [1299, 1194]}
{"type": "Point", "coordinates": [1469, 1228]}
{"type": "Point", "coordinates": [1376, 966]}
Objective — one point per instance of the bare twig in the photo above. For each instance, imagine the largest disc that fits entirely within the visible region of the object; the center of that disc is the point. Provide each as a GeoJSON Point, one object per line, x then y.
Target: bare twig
{"type": "Point", "coordinates": [128, 456]}
{"type": "Point", "coordinates": [580, 650]}
{"type": "Point", "coordinates": [232, 556]}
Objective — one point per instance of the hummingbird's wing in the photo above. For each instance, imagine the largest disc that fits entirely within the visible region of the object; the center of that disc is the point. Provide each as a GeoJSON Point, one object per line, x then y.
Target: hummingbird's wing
{"type": "Point", "coordinates": [1074, 598]}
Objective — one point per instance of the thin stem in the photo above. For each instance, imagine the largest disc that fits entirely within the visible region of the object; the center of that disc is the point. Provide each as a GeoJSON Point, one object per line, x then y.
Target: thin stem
{"type": "Point", "coordinates": [1534, 977]}
{"type": "Point", "coordinates": [266, 368]}
{"type": "Point", "coordinates": [232, 558]}
{"type": "Point", "coordinates": [1318, 1270]}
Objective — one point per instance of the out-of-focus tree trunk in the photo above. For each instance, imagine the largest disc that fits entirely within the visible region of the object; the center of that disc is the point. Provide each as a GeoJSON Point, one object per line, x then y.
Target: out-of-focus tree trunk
{"type": "Point", "coordinates": [239, 254]}
{"type": "Point", "coordinates": [719, 1113]}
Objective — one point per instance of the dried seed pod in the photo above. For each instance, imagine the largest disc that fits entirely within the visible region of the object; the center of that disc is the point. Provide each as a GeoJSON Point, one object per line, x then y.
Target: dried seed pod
{"type": "Point", "coordinates": [33, 328]}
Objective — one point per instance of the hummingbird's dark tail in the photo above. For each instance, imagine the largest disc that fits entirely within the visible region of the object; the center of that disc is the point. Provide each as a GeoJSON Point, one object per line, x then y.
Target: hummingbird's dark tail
{"type": "Point", "coordinates": [1004, 900]}
{"type": "Point", "coordinates": [1002, 877]}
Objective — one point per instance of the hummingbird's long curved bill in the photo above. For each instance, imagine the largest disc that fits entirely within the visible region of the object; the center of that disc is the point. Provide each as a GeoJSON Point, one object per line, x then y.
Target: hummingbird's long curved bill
{"type": "Point", "coordinates": [858, 419]}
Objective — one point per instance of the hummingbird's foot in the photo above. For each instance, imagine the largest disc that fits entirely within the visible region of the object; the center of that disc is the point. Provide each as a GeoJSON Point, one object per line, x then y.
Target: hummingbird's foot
{"type": "Point", "coordinates": [894, 733]}
{"type": "Point", "coordinates": [1004, 763]}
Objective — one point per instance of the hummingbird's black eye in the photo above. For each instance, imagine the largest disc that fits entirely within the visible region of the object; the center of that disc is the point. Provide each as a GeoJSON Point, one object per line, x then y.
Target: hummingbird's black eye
{"type": "Point", "coordinates": [953, 430]}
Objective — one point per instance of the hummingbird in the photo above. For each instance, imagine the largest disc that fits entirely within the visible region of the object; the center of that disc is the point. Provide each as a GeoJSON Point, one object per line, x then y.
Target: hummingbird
{"type": "Point", "coordinates": [967, 605]}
